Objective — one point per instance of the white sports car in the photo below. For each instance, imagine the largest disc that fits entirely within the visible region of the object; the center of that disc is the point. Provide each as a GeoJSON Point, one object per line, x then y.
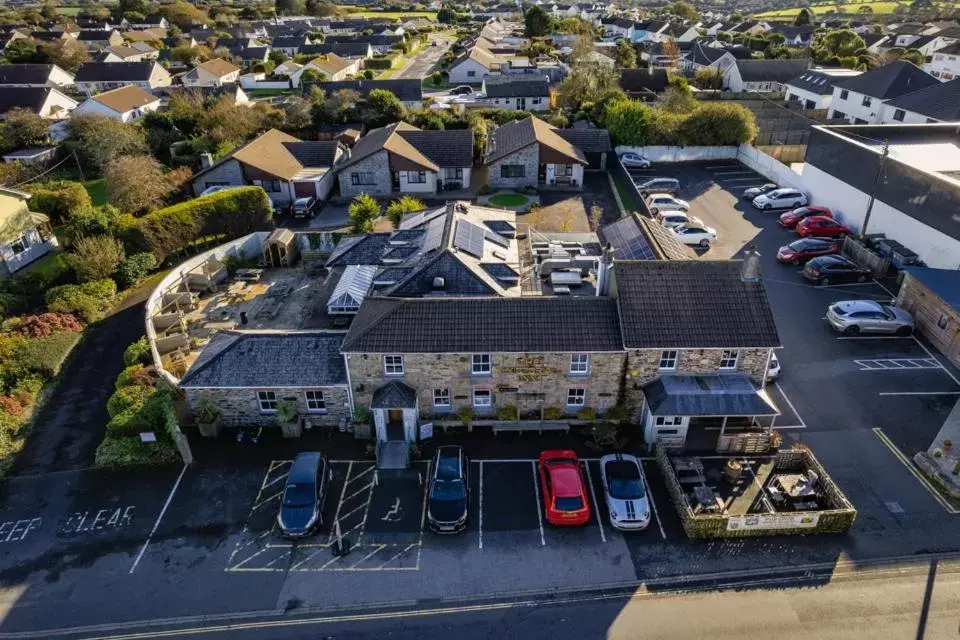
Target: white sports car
{"type": "Point", "coordinates": [625, 491]}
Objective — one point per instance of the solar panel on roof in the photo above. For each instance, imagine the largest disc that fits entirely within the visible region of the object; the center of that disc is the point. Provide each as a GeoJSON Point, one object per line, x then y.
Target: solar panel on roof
{"type": "Point", "coordinates": [469, 237]}
{"type": "Point", "coordinates": [501, 227]}
{"type": "Point", "coordinates": [496, 238]}
{"type": "Point", "coordinates": [628, 241]}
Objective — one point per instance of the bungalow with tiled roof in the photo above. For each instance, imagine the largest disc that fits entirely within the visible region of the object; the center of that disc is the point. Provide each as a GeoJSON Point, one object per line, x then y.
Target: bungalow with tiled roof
{"type": "Point", "coordinates": [531, 153]}
{"type": "Point", "coordinates": [123, 104]}
{"type": "Point", "coordinates": [212, 73]}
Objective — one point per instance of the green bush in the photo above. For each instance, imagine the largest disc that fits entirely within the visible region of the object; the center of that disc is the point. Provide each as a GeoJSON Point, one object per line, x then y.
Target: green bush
{"type": "Point", "coordinates": [89, 301]}
{"type": "Point", "coordinates": [232, 213]}
{"type": "Point", "coordinates": [138, 352]}
{"type": "Point", "coordinates": [552, 413]}
{"type": "Point", "coordinates": [127, 451]}
{"type": "Point", "coordinates": [134, 375]}
{"type": "Point", "coordinates": [25, 290]}
{"type": "Point", "coordinates": [587, 413]}
{"type": "Point", "coordinates": [126, 398]}
{"type": "Point", "coordinates": [135, 268]}
{"type": "Point", "coordinates": [718, 123]}
{"type": "Point", "coordinates": [379, 62]}
{"type": "Point", "coordinates": [149, 410]}
{"type": "Point", "coordinates": [59, 199]}
{"type": "Point", "coordinates": [96, 257]}
{"type": "Point", "coordinates": [508, 413]}
{"type": "Point", "coordinates": [45, 356]}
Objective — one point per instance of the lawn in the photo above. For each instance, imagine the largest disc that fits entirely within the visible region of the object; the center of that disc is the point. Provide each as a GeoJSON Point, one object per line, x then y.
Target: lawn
{"type": "Point", "coordinates": [394, 15]}
{"type": "Point", "coordinates": [625, 196]}
{"type": "Point", "coordinates": [509, 200]}
{"type": "Point", "coordinates": [852, 8]}
{"type": "Point", "coordinates": [97, 190]}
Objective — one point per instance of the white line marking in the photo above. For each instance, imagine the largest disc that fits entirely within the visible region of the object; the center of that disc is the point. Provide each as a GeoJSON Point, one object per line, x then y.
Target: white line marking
{"type": "Point", "coordinates": [653, 504]}
{"type": "Point", "coordinates": [875, 338]}
{"type": "Point", "coordinates": [723, 166]}
{"type": "Point", "coordinates": [792, 426]}
{"type": "Point", "coordinates": [733, 172]}
{"type": "Point", "coordinates": [358, 492]}
{"type": "Point", "coordinates": [397, 555]}
{"type": "Point", "coordinates": [596, 505]}
{"type": "Point", "coordinates": [945, 370]}
{"type": "Point", "coordinates": [776, 383]}
{"type": "Point", "coordinates": [481, 506]}
{"type": "Point", "coordinates": [310, 557]}
{"type": "Point", "coordinates": [343, 489]}
{"type": "Point", "coordinates": [423, 512]}
{"type": "Point", "coordinates": [536, 490]}
{"type": "Point", "coordinates": [156, 524]}
{"type": "Point", "coordinates": [727, 181]}
{"type": "Point", "coordinates": [377, 549]}
{"type": "Point", "coordinates": [237, 566]}
{"type": "Point", "coordinates": [919, 393]}
{"type": "Point", "coordinates": [890, 293]}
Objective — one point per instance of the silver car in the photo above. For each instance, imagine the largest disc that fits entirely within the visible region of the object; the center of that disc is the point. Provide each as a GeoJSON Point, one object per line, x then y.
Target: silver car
{"type": "Point", "coordinates": [852, 317]}
{"type": "Point", "coordinates": [625, 491]}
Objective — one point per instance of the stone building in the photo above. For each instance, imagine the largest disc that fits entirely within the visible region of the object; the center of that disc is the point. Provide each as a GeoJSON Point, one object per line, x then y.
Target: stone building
{"type": "Point", "coordinates": [531, 153]}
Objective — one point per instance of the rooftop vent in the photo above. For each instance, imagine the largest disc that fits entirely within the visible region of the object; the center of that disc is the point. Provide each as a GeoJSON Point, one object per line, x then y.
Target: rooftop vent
{"type": "Point", "coordinates": [439, 284]}
{"type": "Point", "coordinates": [750, 269]}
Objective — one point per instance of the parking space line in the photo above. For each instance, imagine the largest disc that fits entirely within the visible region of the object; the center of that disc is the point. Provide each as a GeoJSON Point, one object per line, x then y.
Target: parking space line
{"type": "Point", "coordinates": [397, 555]}
{"type": "Point", "coordinates": [536, 491]}
{"type": "Point", "coordinates": [875, 338]}
{"type": "Point", "coordinates": [423, 512]}
{"type": "Point", "coordinates": [786, 398]}
{"type": "Point", "coordinates": [724, 166]}
{"type": "Point", "coordinates": [912, 469]}
{"type": "Point", "coordinates": [480, 518]}
{"type": "Point", "coordinates": [596, 505]}
{"type": "Point", "coordinates": [343, 490]}
{"type": "Point", "coordinates": [945, 370]}
{"type": "Point", "coordinates": [727, 180]}
{"type": "Point", "coordinates": [653, 504]}
{"type": "Point", "coordinates": [898, 364]}
{"type": "Point", "coordinates": [156, 524]}
{"type": "Point", "coordinates": [377, 548]}
{"type": "Point", "coordinates": [919, 393]}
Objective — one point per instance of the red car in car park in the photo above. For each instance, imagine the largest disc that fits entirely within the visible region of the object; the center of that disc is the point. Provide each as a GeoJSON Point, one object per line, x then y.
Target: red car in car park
{"type": "Point", "coordinates": [822, 227]}
{"type": "Point", "coordinates": [799, 251]}
{"type": "Point", "coordinates": [791, 218]}
{"type": "Point", "coordinates": [565, 501]}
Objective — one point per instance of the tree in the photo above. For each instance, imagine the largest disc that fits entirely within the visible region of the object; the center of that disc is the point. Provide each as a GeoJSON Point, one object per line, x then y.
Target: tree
{"type": "Point", "coordinates": [290, 7]}
{"type": "Point", "coordinates": [914, 56]}
{"type": "Point", "coordinates": [363, 211]}
{"type": "Point", "coordinates": [136, 184]}
{"type": "Point", "coordinates": [626, 56]}
{"type": "Point", "coordinates": [49, 10]}
{"type": "Point", "coordinates": [182, 14]}
{"type": "Point", "coordinates": [23, 129]}
{"type": "Point", "coordinates": [125, 8]}
{"type": "Point", "coordinates": [66, 54]}
{"type": "Point", "coordinates": [683, 10]}
{"type": "Point", "coordinates": [321, 9]}
{"type": "Point", "coordinates": [311, 75]}
{"type": "Point", "coordinates": [672, 51]}
{"type": "Point", "coordinates": [446, 15]}
{"type": "Point", "coordinates": [708, 78]}
{"type": "Point", "coordinates": [629, 123]}
{"type": "Point", "coordinates": [381, 107]}
{"type": "Point", "coordinates": [718, 123]}
{"type": "Point", "coordinates": [96, 258]}
{"type": "Point", "coordinates": [587, 79]}
{"type": "Point", "coordinates": [99, 140]}
{"type": "Point", "coordinates": [838, 42]}
{"type": "Point", "coordinates": [865, 10]}
{"type": "Point", "coordinates": [403, 205]}
{"type": "Point", "coordinates": [804, 17]}
{"type": "Point", "coordinates": [537, 22]}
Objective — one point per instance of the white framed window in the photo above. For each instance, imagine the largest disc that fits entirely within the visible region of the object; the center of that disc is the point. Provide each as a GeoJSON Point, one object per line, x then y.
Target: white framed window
{"type": "Point", "coordinates": [668, 421]}
{"type": "Point", "coordinates": [482, 398]}
{"type": "Point", "coordinates": [393, 365]}
{"type": "Point", "coordinates": [866, 101]}
{"type": "Point", "coordinates": [316, 403]}
{"type": "Point", "coordinates": [416, 177]}
{"type": "Point", "coordinates": [480, 364]}
{"type": "Point", "coordinates": [580, 363]}
{"type": "Point", "coordinates": [576, 397]}
{"type": "Point", "coordinates": [267, 400]}
{"type": "Point", "coordinates": [668, 360]}
{"type": "Point", "coordinates": [362, 177]}
{"type": "Point", "coordinates": [729, 358]}
{"type": "Point", "coordinates": [441, 398]}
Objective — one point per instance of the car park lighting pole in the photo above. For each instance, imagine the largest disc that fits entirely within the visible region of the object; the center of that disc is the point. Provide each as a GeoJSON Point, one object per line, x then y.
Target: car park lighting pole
{"type": "Point", "coordinates": [876, 185]}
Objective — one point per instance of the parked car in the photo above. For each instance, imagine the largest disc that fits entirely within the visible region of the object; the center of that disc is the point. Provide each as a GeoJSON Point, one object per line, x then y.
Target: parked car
{"type": "Point", "coordinates": [789, 219]}
{"type": "Point", "coordinates": [799, 251]}
{"type": "Point", "coordinates": [448, 493]}
{"type": "Point", "coordinates": [821, 227]}
{"type": "Point", "coordinates": [753, 192]}
{"type": "Point", "coordinates": [658, 202]}
{"type": "Point", "coordinates": [462, 90]}
{"type": "Point", "coordinates": [303, 207]}
{"type": "Point", "coordinates": [695, 234]}
{"type": "Point", "coordinates": [835, 270]}
{"type": "Point", "coordinates": [853, 317]}
{"type": "Point", "coordinates": [303, 498]}
{"type": "Point", "coordinates": [630, 159]}
{"type": "Point", "coordinates": [625, 491]}
{"type": "Point", "coordinates": [780, 199]}
{"type": "Point", "coordinates": [669, 186]}
{"type": "Point", "coordinates": [672, 219]}
{"type": "Point", "coordinates": [773, 369]}
{"type": "Point", "coordinates": [565, 500]}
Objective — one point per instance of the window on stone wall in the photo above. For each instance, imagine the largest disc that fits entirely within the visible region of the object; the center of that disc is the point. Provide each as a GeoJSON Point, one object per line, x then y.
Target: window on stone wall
{"type": "Point", "coordinates": [482, 398]}
{"type": "Point", "coordinates": [362, 177]}
{"type": "Point", "coordinates": [728, 360]}
{"type": "Point", "coordinates": [441, 398]}
{"type": "Point", "coordinates": [393, 365]}
{"type": "Point", "coordinates": [576, 397]}
{"type": "Point", "coordinates": [316, 403]}
{"type": "Point", "coordinates": [580, 363]}
{"type": "Point", "coordinates": [512, 171]}
{"type": "Point", "coordinates": [668, 360]}
{"type": "Point", "coordinates": [481, 364]}
{"type": "Point", "coordinates": [267, 401]}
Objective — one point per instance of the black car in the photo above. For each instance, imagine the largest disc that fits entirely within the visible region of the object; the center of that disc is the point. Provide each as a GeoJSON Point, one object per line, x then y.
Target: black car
{"type": "Point", "coordinates": [834, 270]}
{"type": "Point", "coordinates": [301, 507]}
{"type": "Point", "coordinates": [448, 494]}
{"type": "Point", "coordinates": [461, 90]}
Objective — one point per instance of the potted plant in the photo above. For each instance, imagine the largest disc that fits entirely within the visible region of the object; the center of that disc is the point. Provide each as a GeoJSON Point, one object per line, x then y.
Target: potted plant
{"type": "Point", "coordinates": [466, 416]}
{"type": "Point", "coordinates": [288, 415]}
{"type": "Point", "coordinates": [552, 413]}
{"type": "Point", "coordinates": [208, 418]}
{"type": "Point", "coordinates": [587, 414]}
{"type": "Point", "coordinates": [508, 413]}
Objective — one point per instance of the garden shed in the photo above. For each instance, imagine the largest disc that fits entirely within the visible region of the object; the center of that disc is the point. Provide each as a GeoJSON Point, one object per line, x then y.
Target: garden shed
{"type": "Point", "coordinates": [280, 248]}
{"type": "Point", "coordinates": [351, 289]}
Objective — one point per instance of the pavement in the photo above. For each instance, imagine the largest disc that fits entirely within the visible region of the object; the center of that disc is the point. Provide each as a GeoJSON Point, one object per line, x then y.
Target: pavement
{"type": "Point", "coordinates": [180, 548]}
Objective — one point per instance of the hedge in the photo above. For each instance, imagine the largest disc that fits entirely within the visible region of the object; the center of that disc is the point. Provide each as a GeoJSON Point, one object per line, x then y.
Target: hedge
{"type": "Point", "coordinates": [127, 398]}
{"type": "Point", "coordinates": [25, 290]}
{"type": "Point", "coordinates": [379, 62]}
{"type": "Point", "coordinates": [135, 268]}
{"type": "Point", "coordinates": [59, 199]}
{"type": "Point", "coordinates": [45, 356]}
{"type": "Point", "coordinates": [127, 451]}
{"type": "Point", "coordinates": [138, 352]}
{"type": "Point", "coordinates": [709, 124]}
{"type": "Point", "coordinates": [89, 301]}
{"type": "Point", "coordinates": [231, 213]}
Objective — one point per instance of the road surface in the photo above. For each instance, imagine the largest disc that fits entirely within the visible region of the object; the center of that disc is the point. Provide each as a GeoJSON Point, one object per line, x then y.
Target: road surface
{"type": "Point", "coordinates": [422, 64]}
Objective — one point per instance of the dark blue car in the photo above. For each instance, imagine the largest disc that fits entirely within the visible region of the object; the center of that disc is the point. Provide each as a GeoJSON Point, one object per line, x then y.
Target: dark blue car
{"type": "Point", "coordinates": [448, 493]}
{"type": "Point", "coordinates": [301, 507]}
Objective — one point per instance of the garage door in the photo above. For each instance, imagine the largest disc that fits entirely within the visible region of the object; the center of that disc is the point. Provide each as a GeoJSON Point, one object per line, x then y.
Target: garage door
{"type": "Point", "coordinates": [304, 189]}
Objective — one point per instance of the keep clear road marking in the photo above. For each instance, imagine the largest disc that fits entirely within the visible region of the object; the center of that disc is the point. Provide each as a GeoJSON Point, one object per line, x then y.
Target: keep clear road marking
{"type": "Point", "coordinates": [156, 524]}
{"type": "Point", "coordinates": [481, 506]}
{"type": "Point", "coordinates": [912, 469]}
{"type": "Point", "coordinates": [536, 490]}
{"type": "Point", "coordinates": [596, 505]}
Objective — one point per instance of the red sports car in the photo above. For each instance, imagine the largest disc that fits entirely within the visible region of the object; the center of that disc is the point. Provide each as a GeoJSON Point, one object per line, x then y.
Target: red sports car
{"type": "Point", "coordinates": [564, 494]}
{"type": "Point", "coordinates": [821, 227]}
{"type": "Point", "coordinates": [791, 218]}
{"type": "Point", "coordinates": [800, 251]}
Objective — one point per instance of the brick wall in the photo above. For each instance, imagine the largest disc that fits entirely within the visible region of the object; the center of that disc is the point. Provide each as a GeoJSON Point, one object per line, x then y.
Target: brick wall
{"type": "Point", "coordinates": [379, 165]}
{"type": "Point", "coordinates": [239, 407]}
{"type": "Point", "coordinates": [529, 157]}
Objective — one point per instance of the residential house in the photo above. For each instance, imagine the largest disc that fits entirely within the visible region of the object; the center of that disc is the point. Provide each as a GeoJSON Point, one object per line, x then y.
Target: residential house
{"type": "Point", "coordinates": [380, 44]}
{"type": "Point", "coordinates": [332, 66]}
{"type": "Point", "coordinates": [680, 33]}
{"type": "Point", "coordinates": [876, 42]}
{"type": "Point", "coordinates": [46, 102]}
{"type": "Point", "coordinates": [701, 56]}
{"type": "Point", "coordinates": [796, 36]}
{"type": "Point", "coordinates": [96, 77]}
{"type": "Point", "coordinates": [527, 92]}
{"type": "Point", "coordinates": [146, 50]}
{"type": "Point", "coordinates": [34, 75]}
{"type": "Point", "coordinates": [287, 68]}
{"type": "Point", "coordinates": [401, 158]}
{"type": "Point", "coordinates": [124, 53]}
{"type": "Point", "coordinates": [936, 103]}
{"type": "Point", "coordinates": [617, 28]}
{"type": "Point", "coordinates": [343, 49]}
{"type": "Point", "coordinates": [762, 76]}
{"type": "Point", "coordinates": [859, 99]}
{"type": "Point", "coordinates": [474, 64]}
{"type": "Point", "coordinates": [641, 84]}
{"type": "Point", "coordinates": [234, 94]}
{"type": "Point", "coordinates": [145, 35]}
{"type": "Point", "coordinates": [945, 63]}
{"type": "Point", "coordinates": [813, 89]}
{"type": "Point", "coordinates": [25, 235]}
{"type": "Point", "coordinates": [409, 91]}
{"type": "Point", "coordinates": [212, 73]}
{"type": "Point", "coordinates": [290, 45]}
{"type": "Point", "coordinates": [97, 40]}
{"type": "Point", "coordinates": [152, 23]}
{"type": "Point", "coordinates": [124, 104]}
{"type": "Point", "coordinates": [592, 141]}
{"type": "Point", "coordinates": [250, 56]}
{"type": "Point", "coordinates": [531, 153]}
{"type": "Point", "coordinates": [649, 31]}
{"type": "Point", "coordinates": [52, 36]}
{"type": "Point", "coordinates": [285, 167]}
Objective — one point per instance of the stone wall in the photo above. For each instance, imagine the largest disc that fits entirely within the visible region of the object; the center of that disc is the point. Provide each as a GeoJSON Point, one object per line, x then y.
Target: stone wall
{"type": "Point", "coordinates": [528, 381]}
{"type": "Point", "coordinates": [529, 157]}
{"type": "Point", "coordinates": [379, 165]}
{"type": "Point", "coordinates": [229, 172]}
{"type": "Point", "coordinates": [239, 407]}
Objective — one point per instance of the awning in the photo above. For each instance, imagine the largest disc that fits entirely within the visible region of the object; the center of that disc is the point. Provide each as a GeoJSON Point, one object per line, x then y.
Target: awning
{"type": "Point", "coordinates": [394, 395]}
{"type": "Point", "coordinates": [707, 395]}
{"type": "Point", "coordinates": [353, 286]}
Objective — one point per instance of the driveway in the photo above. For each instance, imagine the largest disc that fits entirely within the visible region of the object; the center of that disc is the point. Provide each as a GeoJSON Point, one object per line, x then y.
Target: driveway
{"type": "Point", "coordinates": [422, 64]}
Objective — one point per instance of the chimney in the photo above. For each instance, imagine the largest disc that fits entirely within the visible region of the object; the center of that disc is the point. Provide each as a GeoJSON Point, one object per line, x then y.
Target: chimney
{"type": "Point", "coordinates": [750, 268]}
{"type": "Point", "coordinates": [603, 271]}
{"type": "Point", "coordinates": [206, 161]}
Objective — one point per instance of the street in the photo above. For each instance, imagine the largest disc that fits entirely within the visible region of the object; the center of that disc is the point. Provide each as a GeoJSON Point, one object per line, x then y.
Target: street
{"type": "Point", "coordinates": [422, 64]}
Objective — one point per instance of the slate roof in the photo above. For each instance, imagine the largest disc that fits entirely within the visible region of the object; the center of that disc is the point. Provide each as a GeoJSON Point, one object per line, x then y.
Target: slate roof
{"type": "Point", "coordinates": [246, 359]}
{"type": "Point", "coordinates": [707, 395]}
{"type": "Point", "coordinates": [31, 98]}
{"type": "Point", "coordinates": [643, 81]}
{"type": "Point", "coordinates": [343, 49]}
{"type": "Point", "coordinates": [944, 283]}
{"type": "Point", "coordinates": [290, 41]}
{"type": "Point", "coordinates": [940, 101]}
{"type": "Point", "coordinates": [703, 55]}
{"type": "Point", "coordinates": [889, 81]}
{"type": "Point", "coordinates": [114, 72]}
{"type": "Point", "coordinates": [516, 135]}
{"type": "Point", "coordinates": [517, 86]}
{"type": "Point", "coordinates": [459, 279]}
{"type": "Point", "coordinates": [587, 140]}
{"type": "Point", "coordinates": [446, 147]}
{"type": "Point", "coordinates": [360, 249]}
{"type": "Point", "coordinates": [770, 70]}
{"type": "Point", "coordinates": [485, 325]}
{"type": "Point", "coordinates": [250, 53]}
{"type": "Point", "coordinates": [692, 304]}
{"type": "Point", "coordinates": [816, 81]}
{"type": "Point", "coordinates": [394, 395]}
{"type": "Point", "coordinates": [951, 49]}
{"type": "Point", "coordinates": [25, 73]}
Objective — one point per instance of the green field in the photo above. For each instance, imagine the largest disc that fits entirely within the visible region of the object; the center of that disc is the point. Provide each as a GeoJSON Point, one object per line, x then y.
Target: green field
{"type": "Point", "coordinates": [393, 15]}
{"type": "Point", "coordinates": [851, 8]}
{"type": "Point", "coordinates": [97, 189]}
{"type": "Point", "coordinates": [69, 11]}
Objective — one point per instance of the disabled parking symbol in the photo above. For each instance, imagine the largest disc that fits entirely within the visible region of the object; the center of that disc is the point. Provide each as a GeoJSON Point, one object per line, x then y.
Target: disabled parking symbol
{"type": "Point", "coordinates": [394, 513]}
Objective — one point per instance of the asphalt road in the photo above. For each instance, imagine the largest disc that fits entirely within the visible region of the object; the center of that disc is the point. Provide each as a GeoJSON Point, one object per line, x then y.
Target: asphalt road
{"type": "Point", "coordinates": [422, 64]}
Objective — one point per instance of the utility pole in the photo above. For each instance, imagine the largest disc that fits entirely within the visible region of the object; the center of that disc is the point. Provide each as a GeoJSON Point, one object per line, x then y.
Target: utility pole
{"type": "Point", "coordinates": [876, 185]}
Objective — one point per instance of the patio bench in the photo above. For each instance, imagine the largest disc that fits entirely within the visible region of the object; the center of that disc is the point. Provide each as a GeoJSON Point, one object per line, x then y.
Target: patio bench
{"type": "Point", "coordinates": [531, 426]}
